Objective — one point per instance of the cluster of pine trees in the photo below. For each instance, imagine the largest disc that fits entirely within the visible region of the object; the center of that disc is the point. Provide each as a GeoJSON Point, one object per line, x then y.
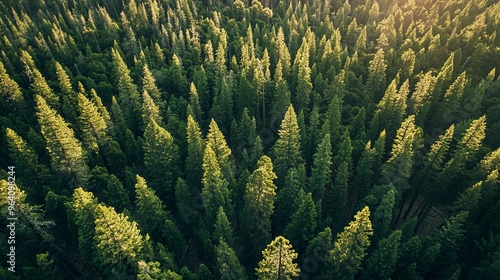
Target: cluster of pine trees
{"type": "Point", "coordinates": [270, 140]}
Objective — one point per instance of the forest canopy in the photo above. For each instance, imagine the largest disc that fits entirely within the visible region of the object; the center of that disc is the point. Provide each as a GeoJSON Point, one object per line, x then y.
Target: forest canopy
{"type": "Point", "coordinates": [270, 140]}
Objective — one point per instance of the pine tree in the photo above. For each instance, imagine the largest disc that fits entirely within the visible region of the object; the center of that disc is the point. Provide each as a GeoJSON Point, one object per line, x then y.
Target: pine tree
{"type": "Point", "coordinates": [92, 125]}
{"type": "Point", "coordinates": [287, 153]}
{"type": "Point", "coordinates": [116, 238]}
{"type": "Point", "coordinates": [64, 149]}
{"type": "Point", "coordinates": [302, 224]}
{"type": "Point", "coordinates": [150, 210]}
{"type": "Point", "coordinates": [222, 228]}
{"type": "Point", "coordinates": [152, 270]}
{"type": "Point", "coordinates": [304, 85]}
{"type": "Point", "coordinates": [149, 85]}
{"type": "Point", "coordinates": [69, 96]}
{"type": "Point", "coordinates": [228, 265]}
{"type": "Point", "coordinates": [161, 156]}
{"type": "Point", "coordinates": [363, 174]}
{"type": "Point", "coordinates": [318, 252]}
{"type": "Point", "coordinates": [215, 192]}
{"type": "Point", "coordinates": [277, 262]}
{"type": "Point", "coordinates": [37, 82]}
{"type": "Point", "coordinates": [382, 216]}
{"type": "Point", "coordinates": [33, 174]}
{"type": "Point", "coordinates": [218, 144]}
{"type": "Point", "coordinates": [382, 261]}
{"type": "Point", "coordinates": [150, 110]}
{"type": "Point", "coordinates": [288, 198]}
{"type": "Point", "coordinates": [351, 245]}
{"type": "Point", "coordinates": [9, 89]}
{"type": "Point", "coordinates": [376, 78]}
{"type": "Point", "coordinates": [128, 97]}
{"type": "Point", "coordinates": [321, 172]}
{"type": "Point", "coordinates": [194, 102]}
{"type": "Point", "coordinates": [259, 198]}
{"type": "Point", "coordinates": [195, 147]}
{"type": "Point", "coordinates": [397, 168]}
{"type": "Point", "coordinates": [281, 96]}
{"type": "Point", "coordinates": [82, 210]}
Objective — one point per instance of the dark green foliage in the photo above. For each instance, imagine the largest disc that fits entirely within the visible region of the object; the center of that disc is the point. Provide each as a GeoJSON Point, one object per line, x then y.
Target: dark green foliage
{"type": "Point", "coordinates": [386, 105]}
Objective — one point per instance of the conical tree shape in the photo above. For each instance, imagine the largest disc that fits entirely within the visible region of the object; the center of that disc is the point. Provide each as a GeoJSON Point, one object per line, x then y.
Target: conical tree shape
{"type": "Point", "coordinates": [303, 223]}
{"type": "Point", "coordinates": [382, 262]}
{"type": "Point", "coordinates": [351, 245]}
{"type": "Point", "coordinates": [194, 102]}
{"type": "Point", "coordinates": [222, 228]}
{"type": "Point", "coordinates": [82, 210]}
{"type": "Point", "coordinates": [149, 109]}
{"type": "Point", "coordinates": [397, 168]}
{"type": "Point", "coordinates": [218, 144]}
{"type": "Point", "coordinates": [33, 173]}
{"type": "Point", "coordinates": [38, 83]}
{"type": "Point", "coordinates": [228, 265]}
{"type": "Point", "coordinates": [195, 148]}
{"type": "Point", "coordinates": [92, 125]}
{"type": "Point", "coordinates": [321, 172]}
{"type": "Point", "coordinates": [382, 216]}
{"type": "Point", "coordinates": [259, 198]}
{"type": "Point", "coordinates": [128, 97]}
{"type": "Point", "coordinates": [69, 96]}
{"type": "Point", "coordinates": [64, 149]}
{"type": "Point", "coordinates": [149, 85]}
{"type": "Point", "coordinates": [9, 89]}
{"type": "Point", "coordinates": [287, 153]}
{"type": "Point", "coordinates": [116, 238]}
{"type": "Point", "coordinates": [278, 261]}
{"type": "Point", "coordinates": [161, 156]}
{"type": "Point", "coordinates": [150, 210]}
{"type": "Point", "coordinates": [215, 192]}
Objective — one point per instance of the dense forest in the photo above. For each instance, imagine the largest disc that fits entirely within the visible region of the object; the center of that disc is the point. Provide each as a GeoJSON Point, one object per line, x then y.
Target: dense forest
{"type": "Point", "coordinates": [270, 140]}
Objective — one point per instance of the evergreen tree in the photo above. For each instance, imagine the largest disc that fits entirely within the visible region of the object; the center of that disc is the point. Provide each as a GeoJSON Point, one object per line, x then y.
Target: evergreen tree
{"type": "Point", "coordinates": [149, 109]}
{"type": "Point", "coordinates": [92, 125]}
{"type": "Point", "coordinates": [9, 89]}
{"type": "Point", "coordinates": [277, 262]}
{"type": "Point", "coordinates": [259, 198]}
{"type": "Point", "coordinates": [195, 147]}
{"type": "Point", "coordinates": [222, 228]}
{"type": "Point", "coordinates": [82, 210]}
{"type": "Point", "coordinates": [38, 83]}
{"type": "Point", "coordinates": [161, 157]}
{"type": "Point", "coordinates": [302, 224]}
{"type": "Point", "coordinates": [128, 97]}
{"type": "Point", "coordinates": [321, 172]}
{"type": "Point", "coordinates": [397, 168]}
{"type": "Point", "coordinates": [382, 261]}
{"type": "Point", "coordinates": [287, 153]}
{"type": "Point", "coordinates": [228, 265]}
{"type": "Point", "coordinates": [351, 245]}
{"type": "Point", "coordinates": [69, 97]}
{"type": "Point", "coordinates": [215, 192]}
{"type": "Point", "coordinates": [116, 238]}
{"type": "Point", "coordinates": [382, 216]}
{"type": "Point", "coordinates": [218, 144]}
{"type": "Point", "coordinates": [32, 173]}
{"type": "Point", "coordinates": [64, 149]}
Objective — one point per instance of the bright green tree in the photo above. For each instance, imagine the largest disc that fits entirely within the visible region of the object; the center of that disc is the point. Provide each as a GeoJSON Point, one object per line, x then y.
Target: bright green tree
{"type": "Point", "coordinates": [278, 261]}
{"type": "Point", "coordinates": [350, 248]}
{"type": "Point", "coordinates": [65, 150]}
{"type": "Point", "coordinates": [92, 125]}
{"type": "Point", "coordinates": [116, 238]}
{"type": "Point", "coordinates": [287, 153]}
{"type": "Point", "coordinates": [259, 198]}
{"type": "Point", "coordinates": [218, 144]}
